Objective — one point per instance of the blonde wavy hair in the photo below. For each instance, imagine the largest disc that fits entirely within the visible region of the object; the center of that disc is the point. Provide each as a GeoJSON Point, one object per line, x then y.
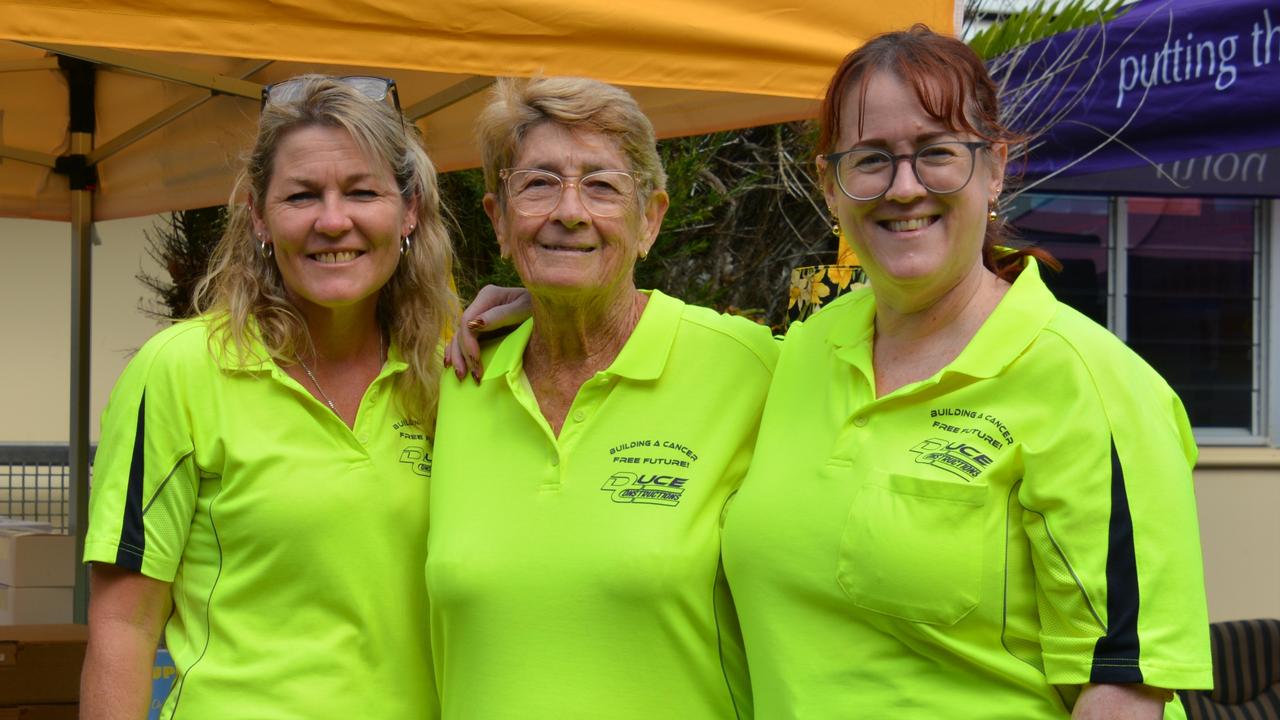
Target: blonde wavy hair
{"type": "Point", "coordinates": [416, 306]}
{"type": "Point", "coordinates": [517, 106]}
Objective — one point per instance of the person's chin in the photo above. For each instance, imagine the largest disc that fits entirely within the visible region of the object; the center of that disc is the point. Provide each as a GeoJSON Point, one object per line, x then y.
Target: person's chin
{"type": "Point", "coordinates": [907, 270]}
{"type": "Point", "coordinates": [335, 298]}
{"type": "Point", "coordinates": [568, 271]}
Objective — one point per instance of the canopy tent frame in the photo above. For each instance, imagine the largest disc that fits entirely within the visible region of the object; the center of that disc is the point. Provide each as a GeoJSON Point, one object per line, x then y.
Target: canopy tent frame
{"type": "Point", "coordinates": [210, 85]}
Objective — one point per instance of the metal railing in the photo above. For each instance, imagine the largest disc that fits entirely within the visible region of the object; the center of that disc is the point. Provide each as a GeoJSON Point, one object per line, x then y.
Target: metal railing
{"type": "Point", "coordinates": [34, 483]}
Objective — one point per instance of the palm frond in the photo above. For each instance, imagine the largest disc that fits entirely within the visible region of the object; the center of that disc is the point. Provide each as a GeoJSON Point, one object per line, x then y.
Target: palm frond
{"type": "Point", "coordinates": [1040, 21]}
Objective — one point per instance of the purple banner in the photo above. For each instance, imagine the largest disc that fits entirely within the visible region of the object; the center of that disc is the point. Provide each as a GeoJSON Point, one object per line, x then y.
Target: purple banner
{"type": "Point", "coordinates": [1189, 88]}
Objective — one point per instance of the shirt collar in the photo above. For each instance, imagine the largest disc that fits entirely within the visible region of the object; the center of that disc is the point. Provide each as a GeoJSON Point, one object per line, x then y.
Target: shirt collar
{"type": "Point", "coordinates": [1016, 321]}
{"type": "Point", "coordinates": [643, 355]}
{"type": "Point", "coordinates": [1022, 313]}
{"type": "Point", "coordinates": [257, 358]}
{"type": "Point", "coordinates": [857, 326]}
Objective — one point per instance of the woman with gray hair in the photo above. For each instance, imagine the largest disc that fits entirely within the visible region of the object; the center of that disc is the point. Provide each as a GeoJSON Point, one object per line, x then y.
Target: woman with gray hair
{"type": "Point", "coordinates": [260, 490]}
{"type": "Point", "coordinates": [573, 563]}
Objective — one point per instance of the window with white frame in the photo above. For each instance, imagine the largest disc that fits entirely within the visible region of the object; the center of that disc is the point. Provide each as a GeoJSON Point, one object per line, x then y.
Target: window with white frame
{"type": "Point", "coordinates": [1183, 281]}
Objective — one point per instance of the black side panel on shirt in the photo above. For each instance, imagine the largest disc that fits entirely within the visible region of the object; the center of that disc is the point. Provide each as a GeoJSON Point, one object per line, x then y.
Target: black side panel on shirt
{"type": "Point", "coordinates": [132, 537]}
{"type": "Point", "coordinates": [1115, 656]}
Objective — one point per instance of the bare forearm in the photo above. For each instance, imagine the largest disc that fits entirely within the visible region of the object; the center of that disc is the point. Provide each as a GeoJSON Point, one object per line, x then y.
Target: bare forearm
{"type": "Point", "coordinates": [116, 681]}
{"type": "Point", "coordinates": [1120, 702]}
{"type": "Point", "coordinates": [126, 613]}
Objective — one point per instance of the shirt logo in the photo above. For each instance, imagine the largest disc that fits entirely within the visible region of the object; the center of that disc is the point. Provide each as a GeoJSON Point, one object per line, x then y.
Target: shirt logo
{"type": "Point", "coordinates": [418, 459]}
{"type": "Point", "coordinates": [957, 458]}
{"type": "Point", "coordinates": [415, 456]}
{"type": "Point", "coordinates": [664, 490]}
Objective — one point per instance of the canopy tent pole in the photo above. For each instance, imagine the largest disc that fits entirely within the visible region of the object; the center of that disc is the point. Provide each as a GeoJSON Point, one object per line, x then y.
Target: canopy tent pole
{"type": "Point", "coordinates": [78, 461]}
{"type": "Point", "coordinates": [82, 178]}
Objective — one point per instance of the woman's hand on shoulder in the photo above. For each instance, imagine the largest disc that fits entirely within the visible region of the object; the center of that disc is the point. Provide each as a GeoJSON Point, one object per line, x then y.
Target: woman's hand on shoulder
{"type": "Point", "coordinates": [493, 308]}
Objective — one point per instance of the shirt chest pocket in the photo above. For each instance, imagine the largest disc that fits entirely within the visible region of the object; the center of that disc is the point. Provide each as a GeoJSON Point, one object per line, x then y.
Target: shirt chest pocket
{"type": "Point", "coordinates": [912, 548]}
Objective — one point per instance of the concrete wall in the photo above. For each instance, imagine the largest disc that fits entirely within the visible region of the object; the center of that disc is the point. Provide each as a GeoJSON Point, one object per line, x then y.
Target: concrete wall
{"type": "Point", "coordinates": [35, 322]}
{"type": "Point", "coordinates": [1238, 495]}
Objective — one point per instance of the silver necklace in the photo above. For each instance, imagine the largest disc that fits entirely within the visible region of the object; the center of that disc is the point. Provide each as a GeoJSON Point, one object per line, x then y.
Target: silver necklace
{"type": "Point", "coordinates": [382, 359]}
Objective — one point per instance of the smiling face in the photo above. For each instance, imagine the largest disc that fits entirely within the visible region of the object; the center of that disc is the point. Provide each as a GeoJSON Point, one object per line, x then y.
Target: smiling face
{"type": "Point", "coordinates": [912, 242]}
{"type": "Point", "coordinates": [335, 220]}
{"type": "Point", "coordinates": [569, 250]}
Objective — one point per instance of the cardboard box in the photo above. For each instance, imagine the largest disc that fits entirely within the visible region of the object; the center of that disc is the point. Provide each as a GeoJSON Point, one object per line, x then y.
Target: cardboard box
{"type": "Point", "coordinates": [65, 711]}
{"type": "Point", "coordinates": [40, 664]}
{"type": "Point", "coordinates": [33, 555]}
{"type": "Point", "coordinates": [35, 605]}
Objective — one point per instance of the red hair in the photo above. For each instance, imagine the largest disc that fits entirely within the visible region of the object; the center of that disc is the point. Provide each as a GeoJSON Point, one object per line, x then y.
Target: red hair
{"type": "Point", "coordinates": [954, 88]}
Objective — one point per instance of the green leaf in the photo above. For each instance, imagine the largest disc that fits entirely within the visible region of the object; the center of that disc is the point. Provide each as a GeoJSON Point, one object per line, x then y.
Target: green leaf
{"type": "Point", "coordinates": [1048, 18]}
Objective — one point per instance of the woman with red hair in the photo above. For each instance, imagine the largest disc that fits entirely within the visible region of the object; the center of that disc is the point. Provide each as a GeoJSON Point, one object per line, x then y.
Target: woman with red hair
{"type": "Point", "coordinates": [967, 500]}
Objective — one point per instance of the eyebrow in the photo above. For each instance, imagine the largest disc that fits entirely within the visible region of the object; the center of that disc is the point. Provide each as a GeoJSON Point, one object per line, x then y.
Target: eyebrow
{"type": "Point", "coordinates": [344, 180]}
{"type": "Point", "coordinates": [552, 166]}
{"type": "Point", "coordinates": [921, 139]}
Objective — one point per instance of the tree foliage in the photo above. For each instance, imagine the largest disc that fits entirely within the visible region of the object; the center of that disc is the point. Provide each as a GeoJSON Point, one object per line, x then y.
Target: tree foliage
{"type": "Point", "coordinates": [181, 244]}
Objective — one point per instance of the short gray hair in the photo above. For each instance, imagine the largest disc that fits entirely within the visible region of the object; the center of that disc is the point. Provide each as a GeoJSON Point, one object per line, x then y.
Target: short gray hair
{"type": "Point", "coordinates": [516, 106]}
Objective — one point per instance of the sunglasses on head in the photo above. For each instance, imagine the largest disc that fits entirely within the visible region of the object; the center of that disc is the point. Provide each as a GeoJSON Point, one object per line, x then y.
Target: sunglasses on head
{"type": "Point", "coordinates": [374, 88]}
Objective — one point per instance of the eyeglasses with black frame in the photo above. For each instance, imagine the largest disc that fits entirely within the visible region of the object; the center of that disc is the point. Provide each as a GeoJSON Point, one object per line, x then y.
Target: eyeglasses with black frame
{"type": "Point", "coordinates": [868, 173]}
{"type": "Point", "coordinates": [373, 87]}
{"type": "Point", "coordinates": [604, 193]}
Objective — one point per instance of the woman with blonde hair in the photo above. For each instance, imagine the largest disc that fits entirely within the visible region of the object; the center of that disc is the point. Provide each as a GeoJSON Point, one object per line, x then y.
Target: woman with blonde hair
{"type": "Point", "coordinates": [260, 490]}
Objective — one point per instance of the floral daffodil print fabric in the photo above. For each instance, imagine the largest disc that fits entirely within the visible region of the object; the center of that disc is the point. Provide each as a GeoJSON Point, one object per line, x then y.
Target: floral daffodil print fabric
{"type": "Point", "coordinates": [813, 286]}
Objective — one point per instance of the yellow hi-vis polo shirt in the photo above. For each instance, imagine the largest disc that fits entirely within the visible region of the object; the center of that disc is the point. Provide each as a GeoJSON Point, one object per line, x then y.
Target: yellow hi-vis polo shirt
{"type": "Point", "coordinates": [579, 576]}
{"type": "Point", "coordinates": [974, 545]}
{"type": "Point", "coordinates": [293, 543]}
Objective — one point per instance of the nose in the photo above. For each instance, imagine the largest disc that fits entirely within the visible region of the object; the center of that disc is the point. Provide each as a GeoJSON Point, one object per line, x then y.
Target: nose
{"type": "Point", "coordinates": [334, 219]}
{"type": "Point", "coordinates": [905, 186]}
{"type": "Point", "coordinates": [570, 212]}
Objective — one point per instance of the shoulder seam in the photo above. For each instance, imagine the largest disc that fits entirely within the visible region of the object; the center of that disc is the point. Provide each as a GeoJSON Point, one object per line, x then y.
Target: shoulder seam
{"type": "Point", "coordinates": [686, 317]}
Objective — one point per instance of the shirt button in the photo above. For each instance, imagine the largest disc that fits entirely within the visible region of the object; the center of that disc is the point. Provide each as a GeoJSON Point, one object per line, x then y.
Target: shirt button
{"type": "Point", "coordinates": [363, 438]}
{"type": "Point", "coordinates": [555, 461]}
{"type": "Point", "coordinates": [580, 415]}
{"type": "Point", "coordinates": [860, 421]}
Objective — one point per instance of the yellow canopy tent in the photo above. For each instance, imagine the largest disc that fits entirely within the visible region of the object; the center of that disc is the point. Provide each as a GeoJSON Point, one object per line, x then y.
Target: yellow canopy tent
{"type": "Point", "coordinates": [177, 82]}
{"type": "Point", "coordinates": [118, 108]}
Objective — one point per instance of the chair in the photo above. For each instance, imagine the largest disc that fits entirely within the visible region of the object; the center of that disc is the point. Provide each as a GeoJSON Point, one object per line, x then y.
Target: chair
{"type": "Point", "coordinates": [1246, 673]}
